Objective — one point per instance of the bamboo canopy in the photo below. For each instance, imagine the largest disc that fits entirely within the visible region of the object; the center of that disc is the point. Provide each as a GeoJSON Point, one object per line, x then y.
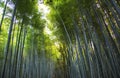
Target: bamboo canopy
{"type": "Point", "coordinates": [59, 39]}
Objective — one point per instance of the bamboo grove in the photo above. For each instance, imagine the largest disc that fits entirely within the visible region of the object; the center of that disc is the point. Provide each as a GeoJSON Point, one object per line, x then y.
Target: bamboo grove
{"type": "Point", "coordinates": [83, 39]}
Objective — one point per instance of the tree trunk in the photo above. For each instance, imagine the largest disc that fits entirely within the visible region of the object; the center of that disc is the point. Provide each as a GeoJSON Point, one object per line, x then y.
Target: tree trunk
{"type": "Point", "coordinates": [8, 41]}
{"type": "Point", "coordinates": [3, 14]}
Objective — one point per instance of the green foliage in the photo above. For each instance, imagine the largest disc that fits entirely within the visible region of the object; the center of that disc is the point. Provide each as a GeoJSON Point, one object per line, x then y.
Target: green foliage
{"type": "Point", "coordinates": [37, 22]}
{"type": "Point", "coordinates": [77, 37]}
{"type": "Point", "coordinates": [1, 4]}
{"type": "Point", "coordinates": [3, 37]}
{"type": "Point", "coordinates": [27, 7]}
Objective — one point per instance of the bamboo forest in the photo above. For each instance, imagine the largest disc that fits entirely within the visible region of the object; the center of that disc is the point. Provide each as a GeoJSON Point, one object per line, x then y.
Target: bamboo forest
{"type": "Point", "coordinates": [59, 38]}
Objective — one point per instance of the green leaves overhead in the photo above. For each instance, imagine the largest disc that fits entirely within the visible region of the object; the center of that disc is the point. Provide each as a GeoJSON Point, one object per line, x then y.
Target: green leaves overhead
{"type": "Point", "coordinates": [37, 22]}
{"type": "Point", "coordinates": [1, 4]}
{"type": "Point", "coordinates": [27, 7]}
{"type": "Point", "coordinates": [77, 39]}
{"type": "Point", "coordinates": [89, 29]}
